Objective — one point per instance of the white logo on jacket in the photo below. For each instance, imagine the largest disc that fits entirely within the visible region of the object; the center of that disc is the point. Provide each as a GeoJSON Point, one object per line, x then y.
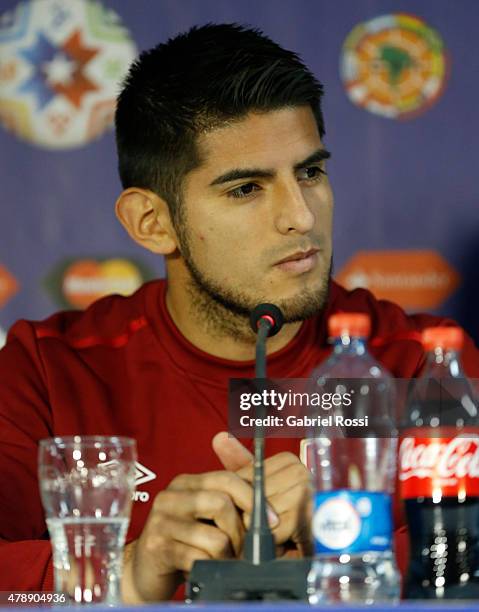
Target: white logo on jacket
{"type": "Point", "coordinates": [142, 475]}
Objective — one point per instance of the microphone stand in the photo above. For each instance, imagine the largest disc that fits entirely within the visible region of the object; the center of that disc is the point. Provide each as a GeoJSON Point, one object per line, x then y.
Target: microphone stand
{"type": "Point", "coordinates": [259, 576]}
{"type": "Point", "coordinates": [259, 543]}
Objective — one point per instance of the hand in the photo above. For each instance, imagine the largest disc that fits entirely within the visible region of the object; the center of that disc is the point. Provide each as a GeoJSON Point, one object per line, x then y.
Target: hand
{"type": "Point", "coordinates": [196, 517]}
{"type": "Point", "coordinates": [287, 489]}
{"type": "Point", "coordinates": [176, 534]}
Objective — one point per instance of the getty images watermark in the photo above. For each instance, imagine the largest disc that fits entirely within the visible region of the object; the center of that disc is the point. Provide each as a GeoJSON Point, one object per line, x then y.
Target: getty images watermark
{"type": "Point", "coordinates": [298, 408]}
{"type": "Point", "coordinates": [352, 408]}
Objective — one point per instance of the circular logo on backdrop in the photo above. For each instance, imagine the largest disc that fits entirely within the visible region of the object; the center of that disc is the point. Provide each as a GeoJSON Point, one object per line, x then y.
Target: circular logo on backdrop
{"type": "Point", "coordinates": [85, 281]}
{"type": "Point", "coordinates": [80, 281]}
{"type": "Point", "coordinates": [8, 285]}
{"type": "Point", "coordinates": [394, 65]}
{"type": "Point", "coordinates": [60, 68]}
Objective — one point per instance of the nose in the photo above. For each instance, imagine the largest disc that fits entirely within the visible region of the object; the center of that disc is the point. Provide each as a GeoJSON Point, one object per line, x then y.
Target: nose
{"type": "Point", "coordinates": [293, 214]}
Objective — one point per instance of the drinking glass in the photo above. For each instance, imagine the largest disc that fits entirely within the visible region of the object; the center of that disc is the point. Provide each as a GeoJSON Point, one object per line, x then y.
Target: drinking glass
{"type": "Point", "coordinates": [86, 485]}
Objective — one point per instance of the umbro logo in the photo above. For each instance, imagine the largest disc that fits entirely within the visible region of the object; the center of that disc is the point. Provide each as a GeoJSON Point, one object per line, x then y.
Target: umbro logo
{"type": "Point", "coordinates": [143, 474]}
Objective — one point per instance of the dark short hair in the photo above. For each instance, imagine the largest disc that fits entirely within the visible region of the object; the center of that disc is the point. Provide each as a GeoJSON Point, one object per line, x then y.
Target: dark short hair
{"type": "Point", "coordinates": [194, 82]}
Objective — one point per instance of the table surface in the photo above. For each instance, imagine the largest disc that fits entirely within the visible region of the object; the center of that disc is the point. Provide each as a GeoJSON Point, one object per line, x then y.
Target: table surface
{"type": "Point", "coordinates": [452, 606]}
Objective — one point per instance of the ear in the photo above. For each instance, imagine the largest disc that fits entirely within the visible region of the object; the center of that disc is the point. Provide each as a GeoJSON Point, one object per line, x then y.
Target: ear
{"type": "Point", "coordinates": [146, 217]}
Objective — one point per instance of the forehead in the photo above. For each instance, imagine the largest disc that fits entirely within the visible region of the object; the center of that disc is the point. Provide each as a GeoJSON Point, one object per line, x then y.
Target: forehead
{"type": "Point", "coordinates": [272, 140]}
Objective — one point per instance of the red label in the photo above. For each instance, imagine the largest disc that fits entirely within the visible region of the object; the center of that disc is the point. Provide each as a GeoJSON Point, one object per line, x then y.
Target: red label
{"type": "Point", "coordinates": [440, 467]}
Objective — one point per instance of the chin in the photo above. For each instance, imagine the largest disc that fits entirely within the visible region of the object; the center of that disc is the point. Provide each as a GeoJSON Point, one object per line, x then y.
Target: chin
{"type": "Point", "coordinates": [302, 305]}
{"type": "Point", "coordinates": [300, 308]}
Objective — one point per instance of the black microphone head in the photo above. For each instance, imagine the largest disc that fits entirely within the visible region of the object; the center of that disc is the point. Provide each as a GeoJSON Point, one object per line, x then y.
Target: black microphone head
{"type": "Point", "coordinates": [271, 313]}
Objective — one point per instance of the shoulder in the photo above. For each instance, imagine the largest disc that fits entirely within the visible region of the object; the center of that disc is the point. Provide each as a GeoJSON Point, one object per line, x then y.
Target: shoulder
{"type": "Point", "coordinates": [109, 321]}
{"type": "Point", "coordinates": [386, 317]}
{"type": "Point", "coordinates": [395, 334]}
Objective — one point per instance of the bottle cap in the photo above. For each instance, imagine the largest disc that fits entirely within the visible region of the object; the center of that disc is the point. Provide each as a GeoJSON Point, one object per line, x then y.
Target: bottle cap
{"type": "Point", "coordinates": [451, 338]}
{"type": "Point", "coordinates": [350, 324]}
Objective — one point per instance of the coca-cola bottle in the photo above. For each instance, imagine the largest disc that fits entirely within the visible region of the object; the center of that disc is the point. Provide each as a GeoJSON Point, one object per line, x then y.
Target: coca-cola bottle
{"type": "Point", "coordinates": [439, 474]}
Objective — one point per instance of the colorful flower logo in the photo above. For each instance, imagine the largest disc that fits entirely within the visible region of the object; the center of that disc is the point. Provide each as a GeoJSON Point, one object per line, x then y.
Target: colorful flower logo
{"type": "Point", "coordinates": [394, 66]}
{"type": "Point", "coordinates": [60, 67]}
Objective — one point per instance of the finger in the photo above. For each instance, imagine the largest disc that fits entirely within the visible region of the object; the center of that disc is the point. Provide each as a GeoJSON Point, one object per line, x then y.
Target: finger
{"type": "Point", "coordinates": [182, 556]}
{"type": "Point", "coordinates": [209, 539]}
{"type": "Point", "coordinates": [295, 511]}
{"type": "Point", "coordinates": [273, 464]}
{"type": "Point", "coordinates": [298, 497]}
{"type": "Point", "coordinates": [280, 483]}
{"type": "Point", "coordinates": [232, 454]}
{"type": "Point", "coordinates": [214, 505]}
{"type": "Point", "coordinates": [302, 539]}
{"type": "Point", "coordinates": [289, 474]}
{"type": "Point", "coordinates": [273, 518]}
{"type": "Point", "coordinates": [294, 508]}
{"type": "Point", "coordinates": [229, 483]}
{"type": "Point", "coordinates": [287, 530]}
{"type": "Point", "coordinates": [227, 518]}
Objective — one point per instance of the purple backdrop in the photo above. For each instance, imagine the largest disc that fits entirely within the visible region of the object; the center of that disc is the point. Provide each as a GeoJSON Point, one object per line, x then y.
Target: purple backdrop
{"type": "Point", "coordinates": [398, 184]}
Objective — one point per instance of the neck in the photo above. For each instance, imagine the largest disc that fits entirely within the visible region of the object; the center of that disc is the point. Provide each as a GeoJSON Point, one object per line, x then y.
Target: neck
{"type": "Point", "coordinates": [216, 330]}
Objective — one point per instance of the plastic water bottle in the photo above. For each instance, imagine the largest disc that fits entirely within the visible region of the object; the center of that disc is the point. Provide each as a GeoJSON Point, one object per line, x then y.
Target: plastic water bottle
{"type": "Point", "coordinates": [354, 477]}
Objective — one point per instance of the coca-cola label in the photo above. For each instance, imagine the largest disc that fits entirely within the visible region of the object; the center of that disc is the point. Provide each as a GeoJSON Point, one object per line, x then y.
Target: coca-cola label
{"type": "Point", "coordinates": [436, 467]}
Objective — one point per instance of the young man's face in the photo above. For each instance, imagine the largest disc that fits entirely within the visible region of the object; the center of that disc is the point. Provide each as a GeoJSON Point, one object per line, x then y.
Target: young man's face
{"type": "Point", "coordinates": [260, 198]}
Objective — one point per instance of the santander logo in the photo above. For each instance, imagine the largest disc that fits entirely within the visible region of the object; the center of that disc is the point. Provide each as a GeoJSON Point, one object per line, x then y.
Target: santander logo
{"type": "Point", "coordinates": [448, 463]}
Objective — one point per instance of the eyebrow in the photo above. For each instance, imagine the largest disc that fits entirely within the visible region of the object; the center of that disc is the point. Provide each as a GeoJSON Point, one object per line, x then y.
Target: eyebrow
{"type": "Point", "coordinates": [245, 173]}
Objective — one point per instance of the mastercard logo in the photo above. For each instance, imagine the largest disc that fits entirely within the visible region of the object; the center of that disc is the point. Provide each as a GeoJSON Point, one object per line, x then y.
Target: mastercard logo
{"type": "Point", "coordinates": [8, 286]}
{"type": "Point", "coordinates": [413, 279]}
{"type": "Point", "coordinates": [86, 280]}
{"type": "Point", "coordinates": [394, 65]}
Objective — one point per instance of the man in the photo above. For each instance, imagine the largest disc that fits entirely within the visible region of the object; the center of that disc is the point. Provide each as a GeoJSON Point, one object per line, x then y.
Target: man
{"type": "Point", "coordinates": [222, 159]}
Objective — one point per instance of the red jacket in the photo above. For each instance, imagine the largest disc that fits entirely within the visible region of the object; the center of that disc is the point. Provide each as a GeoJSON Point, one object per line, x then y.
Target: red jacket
{"type": "Point", "coordinates": [122, 367]}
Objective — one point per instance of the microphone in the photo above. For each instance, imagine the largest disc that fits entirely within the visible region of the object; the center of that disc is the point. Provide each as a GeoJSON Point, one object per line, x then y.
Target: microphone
{"type": "Point", "coordinates": [259, 576]}
{"type": "Point", "coordinates": [269, 314]}
{"type": "Point", "coordinates": [266, 320]}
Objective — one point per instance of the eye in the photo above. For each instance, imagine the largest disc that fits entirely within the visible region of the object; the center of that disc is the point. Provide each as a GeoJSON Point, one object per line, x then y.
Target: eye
{"type": "Point", "coordinates": [311, 173]}
{"type": "Point", "coordinates": [243, 191]}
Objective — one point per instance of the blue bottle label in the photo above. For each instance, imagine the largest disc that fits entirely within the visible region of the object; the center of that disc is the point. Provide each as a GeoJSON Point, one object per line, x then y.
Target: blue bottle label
{"type": "Point", "coordinates": [352, 521]}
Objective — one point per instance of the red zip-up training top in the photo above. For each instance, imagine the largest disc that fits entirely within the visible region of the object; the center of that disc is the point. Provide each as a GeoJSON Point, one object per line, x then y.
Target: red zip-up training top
{"type": "Point", "coordinates": [122, 368]}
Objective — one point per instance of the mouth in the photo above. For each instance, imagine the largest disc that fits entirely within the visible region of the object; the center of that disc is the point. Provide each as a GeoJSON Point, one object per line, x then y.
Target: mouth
{"type": "Point", "coordinates": [299, 262]}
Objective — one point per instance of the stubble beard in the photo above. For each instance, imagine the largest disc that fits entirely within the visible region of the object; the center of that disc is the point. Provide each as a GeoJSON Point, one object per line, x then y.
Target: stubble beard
{"type": "Point", "coordinates": [225, 312]}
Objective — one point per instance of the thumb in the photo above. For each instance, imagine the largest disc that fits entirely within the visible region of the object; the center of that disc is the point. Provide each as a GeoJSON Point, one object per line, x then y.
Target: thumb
{"type": "Point", "coordinates": [232, 454]}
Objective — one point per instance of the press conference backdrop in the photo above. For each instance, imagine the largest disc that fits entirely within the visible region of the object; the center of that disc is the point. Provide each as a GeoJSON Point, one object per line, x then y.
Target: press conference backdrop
{"type": "Point", "coordinates": [402, 90]}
